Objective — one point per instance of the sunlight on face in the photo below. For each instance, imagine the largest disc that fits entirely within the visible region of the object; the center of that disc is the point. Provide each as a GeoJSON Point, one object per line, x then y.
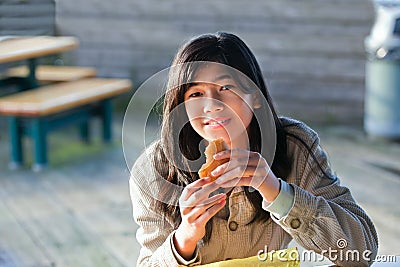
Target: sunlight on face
{"type": "Point", "coordinates": [218, 107]}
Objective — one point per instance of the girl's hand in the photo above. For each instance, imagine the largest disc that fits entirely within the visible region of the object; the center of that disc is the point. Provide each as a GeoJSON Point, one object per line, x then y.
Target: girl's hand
{"type": "Point", "coordinates": [196, 210]}
{"type": "Point", "coordinates": [247, 168]}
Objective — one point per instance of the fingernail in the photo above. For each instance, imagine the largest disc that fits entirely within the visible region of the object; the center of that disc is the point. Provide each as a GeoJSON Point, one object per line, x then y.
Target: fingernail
{"type": "Point", "coordinates": [207, 179]}
{"type": "Point", "coordinates": [214, 172]}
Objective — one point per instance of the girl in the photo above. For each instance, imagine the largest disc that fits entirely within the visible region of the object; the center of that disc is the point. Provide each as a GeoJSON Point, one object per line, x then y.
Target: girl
{"type": "Point", "coordinates": [216, 89]}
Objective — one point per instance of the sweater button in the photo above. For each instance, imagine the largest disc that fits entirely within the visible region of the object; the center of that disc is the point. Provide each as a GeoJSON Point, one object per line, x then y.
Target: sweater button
{"type": "Point", "coordinates": [295, 223]}
{"type": "Point", "coordinates": [233, 226]}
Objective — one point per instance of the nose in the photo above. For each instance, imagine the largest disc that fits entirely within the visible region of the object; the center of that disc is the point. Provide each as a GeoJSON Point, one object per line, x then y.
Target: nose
{"type": "Point", "coordinates": [212, 104]}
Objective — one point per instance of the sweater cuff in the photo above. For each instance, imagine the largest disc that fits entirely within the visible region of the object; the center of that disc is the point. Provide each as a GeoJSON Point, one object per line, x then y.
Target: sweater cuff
{"type": "Point", "coordinates": [180, 259]}
{"type": "Point", "coordinates": [281, 206]}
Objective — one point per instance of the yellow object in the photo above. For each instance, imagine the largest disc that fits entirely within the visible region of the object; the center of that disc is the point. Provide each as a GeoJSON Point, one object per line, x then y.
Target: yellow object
{"type": "Point", "coordinates": [281, 258]}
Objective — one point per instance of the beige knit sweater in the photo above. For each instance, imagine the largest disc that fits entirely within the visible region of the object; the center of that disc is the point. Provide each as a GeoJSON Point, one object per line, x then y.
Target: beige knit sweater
{"type": "Point", "coordinates": [323, 212]}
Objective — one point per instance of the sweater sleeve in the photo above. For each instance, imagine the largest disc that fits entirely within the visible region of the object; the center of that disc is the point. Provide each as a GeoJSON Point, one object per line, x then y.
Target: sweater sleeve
{"type": "Point", "coordinates": [324, 216]}
{"type": "Point", "coordinates": [153, 234]}
{"type": "Point", "coordinates": [155, 230]}
{"type": "Point", "coordinates": [283, 202]}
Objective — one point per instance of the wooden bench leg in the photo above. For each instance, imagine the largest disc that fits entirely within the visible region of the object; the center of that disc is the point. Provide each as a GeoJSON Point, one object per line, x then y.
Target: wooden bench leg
{"type": "Point", "coordinates": [16, 142]}
{"type": "Point", "coordinates": [38, 130]}
{"type": "Point", "coordinates": [106, 116]}
{"type": "Point", "coordinates": [84, 131]}
{"type": "Point", "coordinates": [32, 73]}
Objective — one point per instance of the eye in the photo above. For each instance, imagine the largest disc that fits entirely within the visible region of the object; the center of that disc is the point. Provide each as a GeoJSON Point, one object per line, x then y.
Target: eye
{"type": "Point", "coordinates": [194, 94]}
{"type": "Point", "coordinates": [227, 87]}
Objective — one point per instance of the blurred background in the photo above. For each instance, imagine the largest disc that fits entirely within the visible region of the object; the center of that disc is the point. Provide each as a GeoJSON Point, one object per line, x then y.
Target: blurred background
{"type": "Point", "coordinates": [311, 52]}
{"type": "Point", "coordinates": [77, 212]}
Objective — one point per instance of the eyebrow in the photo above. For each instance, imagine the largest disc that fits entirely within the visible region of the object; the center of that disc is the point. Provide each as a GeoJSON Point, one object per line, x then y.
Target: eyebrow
{"type": "Point", "coordinates": [223, 76]}
{"type": "Point", "coordinates": [218, 78]}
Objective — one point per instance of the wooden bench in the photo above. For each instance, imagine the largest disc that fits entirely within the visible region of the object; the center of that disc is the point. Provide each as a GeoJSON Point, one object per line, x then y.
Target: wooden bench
{"type": "Point", "coordinates": [50, 74]}
{"type": "Point", "coordinates": [38, 111]}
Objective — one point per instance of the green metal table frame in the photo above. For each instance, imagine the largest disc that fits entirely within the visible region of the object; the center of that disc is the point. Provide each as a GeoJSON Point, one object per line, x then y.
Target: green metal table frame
{"type": "Point", "coordinates": [24, 83]}
{"type": "Point", "coordinates": [37, 128]}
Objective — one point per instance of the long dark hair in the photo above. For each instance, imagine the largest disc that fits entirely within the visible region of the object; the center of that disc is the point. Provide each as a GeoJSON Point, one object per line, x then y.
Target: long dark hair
{"type": "Point", "coordinates": [176, 149]}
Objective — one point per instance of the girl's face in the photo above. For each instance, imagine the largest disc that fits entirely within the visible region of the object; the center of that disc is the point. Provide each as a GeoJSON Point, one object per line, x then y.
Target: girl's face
{"type": "Point", "coordinates": [217, 106]}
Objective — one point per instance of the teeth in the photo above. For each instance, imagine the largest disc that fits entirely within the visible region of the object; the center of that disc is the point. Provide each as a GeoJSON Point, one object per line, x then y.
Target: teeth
{"type": "Point", "coordinates": [217, 122]}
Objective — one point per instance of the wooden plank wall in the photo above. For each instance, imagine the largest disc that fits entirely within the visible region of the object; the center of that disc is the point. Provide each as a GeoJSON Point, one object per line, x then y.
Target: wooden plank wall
{"type": "Point", "coordinates": [311, 51]}
{"type": "Point", "coordinates": [27, 17]}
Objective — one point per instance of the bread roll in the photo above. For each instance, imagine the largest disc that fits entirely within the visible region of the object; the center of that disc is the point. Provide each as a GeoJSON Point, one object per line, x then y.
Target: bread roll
{"type": "Point", "coordinates": [213, 148]}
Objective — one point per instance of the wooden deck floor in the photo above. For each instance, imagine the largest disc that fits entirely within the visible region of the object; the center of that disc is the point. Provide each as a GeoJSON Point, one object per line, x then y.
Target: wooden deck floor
{"type": "Point", "coordinates": [75, 213]}
{"type": "Point", "coordinates": [78, 212]}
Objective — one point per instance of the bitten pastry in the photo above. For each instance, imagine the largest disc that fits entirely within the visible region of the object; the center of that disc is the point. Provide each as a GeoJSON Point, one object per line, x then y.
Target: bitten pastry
{"type": "Point", "coordinates": [213, 148]}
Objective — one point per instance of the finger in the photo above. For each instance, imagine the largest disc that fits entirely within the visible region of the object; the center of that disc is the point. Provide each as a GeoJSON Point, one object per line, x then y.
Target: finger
{"type": "Point", "coordinates": [242, 171]}
{"type": "Point", "coordinates": [256, 165]}
{"type": "Point", "coordinates": [239, 157]}
{"type": "Point", "coordinates": [206, 216]}
{"type": "Point", "coordinates": [198, 183]}
{"type": "Point", "coordinates": [226, 154]}
{"type": "Point", "coordinates": [205, 204]}
{"type": "Point", "coordinates": [235, 162]}
{"type": "Point", "coordinates": [236, 153]}
{"type": "Point", "coordinates": [196, 197]}
{"type": "Point", "coordinates": [203, 207]}
{"type": "Point", "coordinates": [209, 201]}
{"type": "Point", "coordinates": [193, 187]}
{"type": "Point", "coordinates": [253, 182]}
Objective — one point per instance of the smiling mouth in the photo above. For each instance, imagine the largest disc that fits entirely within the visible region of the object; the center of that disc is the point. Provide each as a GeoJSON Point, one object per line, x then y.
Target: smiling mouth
{"type": "Point", "coordinates": [216, 123]}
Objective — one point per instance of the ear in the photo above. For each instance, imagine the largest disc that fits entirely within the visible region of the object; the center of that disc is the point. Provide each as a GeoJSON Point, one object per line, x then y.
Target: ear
{"type": "Point", "coordinates": [256, 100]}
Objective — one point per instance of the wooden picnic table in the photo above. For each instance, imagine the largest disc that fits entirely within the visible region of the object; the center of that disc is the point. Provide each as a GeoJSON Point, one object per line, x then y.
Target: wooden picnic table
{"type": "Point", "coordinates": [30, 48]}
{"type": "Point", "coordinates": [15, 48]}
{"type": "Point", "coordinates": [35, 113]}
